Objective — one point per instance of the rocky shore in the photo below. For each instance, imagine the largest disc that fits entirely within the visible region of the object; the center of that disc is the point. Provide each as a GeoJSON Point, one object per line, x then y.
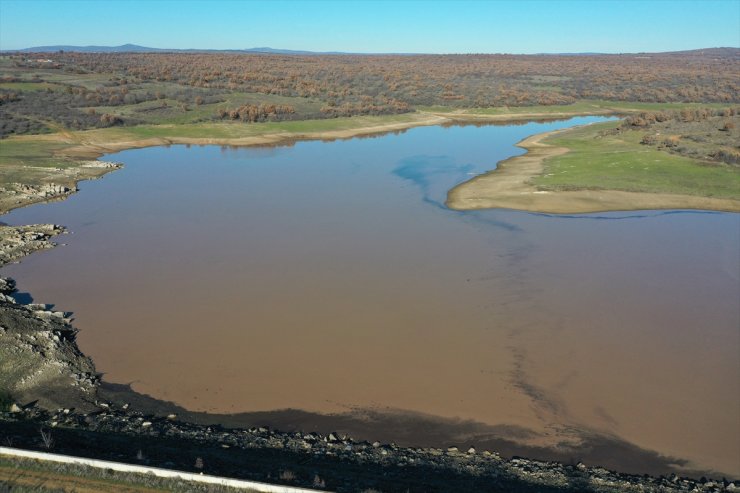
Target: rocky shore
{"type": "Point", "coordinates": [39, 358]}
{"type": "Point", "coordinates": [56, 184]}
{"type": "Point", "coordinates": [18, 241]}
{"type": "Point", "coordinates": [331, 461]}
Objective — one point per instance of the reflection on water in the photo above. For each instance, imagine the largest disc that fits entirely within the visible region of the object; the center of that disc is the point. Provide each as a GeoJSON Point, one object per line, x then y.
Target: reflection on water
{"type": "Point", "coordinates": [330, 277]}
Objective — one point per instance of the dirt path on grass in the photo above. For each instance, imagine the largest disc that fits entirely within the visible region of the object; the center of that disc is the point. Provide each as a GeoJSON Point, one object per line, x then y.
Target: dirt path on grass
{"type": "Point", "coordinates": [509, 187]}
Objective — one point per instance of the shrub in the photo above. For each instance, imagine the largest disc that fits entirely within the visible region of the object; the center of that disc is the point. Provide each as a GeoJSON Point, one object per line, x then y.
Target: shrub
{"type": "Point", "coordinates": [6, 400]}
{"type": "Point", "coordinates": [109, 120]}
{"type": "Point", "coordinates": [671, 141]}
{"type": "Point", "coordinates": [287, 475]}
{"type": "Point", "coordinates": [729, 156]}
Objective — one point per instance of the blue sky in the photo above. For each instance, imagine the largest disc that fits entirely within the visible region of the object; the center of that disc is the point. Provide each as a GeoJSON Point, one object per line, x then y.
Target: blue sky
{"type": "Point", "coordinates": [524, 26]}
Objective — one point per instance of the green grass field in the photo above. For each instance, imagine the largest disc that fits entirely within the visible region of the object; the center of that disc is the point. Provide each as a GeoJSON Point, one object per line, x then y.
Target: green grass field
{"type": "Point", "coordinates": [31, 161]}
{"type": "Point", "coordinates": [36, 153]}
{"type": "Point", "coordinates": [33, 151]}
{"type": "Point", "coordinates": [620, 162]}
{"type": "Point", "coordinates": [235, 130]}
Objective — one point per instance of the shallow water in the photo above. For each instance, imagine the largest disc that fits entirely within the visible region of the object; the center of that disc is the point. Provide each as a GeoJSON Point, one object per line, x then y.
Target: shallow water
{"type": "Point", "coordinates": [329, 276]}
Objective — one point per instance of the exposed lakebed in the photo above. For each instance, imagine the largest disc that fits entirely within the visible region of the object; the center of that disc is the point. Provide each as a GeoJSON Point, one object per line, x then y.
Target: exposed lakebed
{"type": "Point", "coordinates": [329, 277]}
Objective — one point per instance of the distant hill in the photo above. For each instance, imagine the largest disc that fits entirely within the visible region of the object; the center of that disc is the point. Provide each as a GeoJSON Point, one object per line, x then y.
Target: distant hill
{"type": "Point", "coordinates": [127, 48]}
{"type": "Point", "coordinates": [718, 52]}
{"type": "Point", "coordinates": [132, 48]}
{"type": "Point", "coordinates": [277, 51]}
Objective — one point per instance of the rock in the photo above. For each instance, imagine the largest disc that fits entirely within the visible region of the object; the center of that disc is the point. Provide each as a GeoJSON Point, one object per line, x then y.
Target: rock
{"type": "Point", "coordinates": [15, 408]}
{"type": "Point", "coordinates": [172, 417]}
{"type": "Point", "coordinates": [101, 164]}
{"type": "Point", "coordinates": [539, 475]}
{"type": "Point", "coordinates": [333, 437]}
{"type": "Point", "coordinates": [7, 285]}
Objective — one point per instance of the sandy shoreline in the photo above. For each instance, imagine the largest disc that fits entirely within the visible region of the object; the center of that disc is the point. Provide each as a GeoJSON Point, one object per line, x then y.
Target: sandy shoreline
{"type": "Point", "coordinates": [509, 186]}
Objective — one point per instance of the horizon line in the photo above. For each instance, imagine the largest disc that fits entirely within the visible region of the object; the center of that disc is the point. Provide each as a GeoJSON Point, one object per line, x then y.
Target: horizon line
{"type": "Point", "coordinates": [268, 49]}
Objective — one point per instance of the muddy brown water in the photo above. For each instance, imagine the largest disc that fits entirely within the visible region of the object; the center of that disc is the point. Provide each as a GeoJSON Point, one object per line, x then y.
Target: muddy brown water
{"type": "Point", "coordinates": [329, 277]}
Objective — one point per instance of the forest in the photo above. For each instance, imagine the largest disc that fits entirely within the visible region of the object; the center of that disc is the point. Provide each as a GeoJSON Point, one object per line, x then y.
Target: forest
{"type": "Point", "coordinates": [41, 92]}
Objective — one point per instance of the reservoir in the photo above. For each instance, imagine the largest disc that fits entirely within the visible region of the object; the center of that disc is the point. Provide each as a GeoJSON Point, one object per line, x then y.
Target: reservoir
{"type": "Point", "coordinates": [329, 277]}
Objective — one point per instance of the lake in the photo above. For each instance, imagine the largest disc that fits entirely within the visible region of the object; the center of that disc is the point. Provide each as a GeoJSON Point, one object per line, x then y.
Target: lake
{"type": "Point", "coordinates": [330, 277]}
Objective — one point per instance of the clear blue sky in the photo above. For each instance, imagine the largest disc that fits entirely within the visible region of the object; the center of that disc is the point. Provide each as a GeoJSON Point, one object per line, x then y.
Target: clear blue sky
{"type": "Point", "coordinates": [525, 26]}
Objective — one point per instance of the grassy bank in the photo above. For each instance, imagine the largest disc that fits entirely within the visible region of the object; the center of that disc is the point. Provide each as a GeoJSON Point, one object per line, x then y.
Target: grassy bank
{"type": "Point", "coordinates": [597, 160]}
{"type": "Point", "coordinates": [609, 167]}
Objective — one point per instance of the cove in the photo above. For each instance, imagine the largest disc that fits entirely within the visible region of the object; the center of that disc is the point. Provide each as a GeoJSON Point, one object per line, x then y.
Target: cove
{"type": "Point", "coordinates": [330, 277]}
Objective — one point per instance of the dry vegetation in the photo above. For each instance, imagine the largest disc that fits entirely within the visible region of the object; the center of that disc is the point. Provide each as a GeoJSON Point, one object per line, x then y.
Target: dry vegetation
{"type": "Point", "coordinates": [87, 90]}
{"type": "Point", "coordinates": [702, 133]}
{"type": "Point", "coordinates": [97, 103]}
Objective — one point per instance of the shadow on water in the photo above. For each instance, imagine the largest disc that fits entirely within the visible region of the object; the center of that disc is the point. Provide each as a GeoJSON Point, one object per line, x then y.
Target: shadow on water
{"type": "Point", "coordinates": [413, 429]}
{"type": "Point", "coordinates": [22, 298]}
